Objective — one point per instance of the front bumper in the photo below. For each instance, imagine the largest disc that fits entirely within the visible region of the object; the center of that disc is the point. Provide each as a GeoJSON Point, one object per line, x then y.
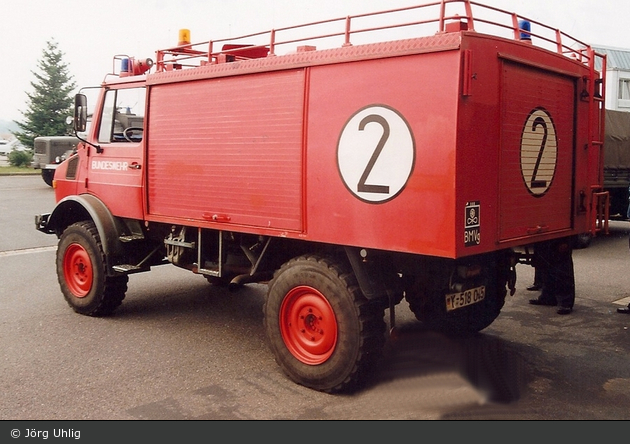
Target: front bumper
{"type": "Point", "coordinates": [41, 223]}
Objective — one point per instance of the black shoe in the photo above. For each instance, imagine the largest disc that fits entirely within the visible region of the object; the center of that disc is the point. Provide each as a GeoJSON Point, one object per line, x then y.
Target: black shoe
{"type": "Point", "coordinates": [625, 310]}
{"type": "Point", "coordinates": [534, 287]}
{"type": "Point", "coordinates": [541, 301]}
{"type": "Point", "coordinates": [564, 310]}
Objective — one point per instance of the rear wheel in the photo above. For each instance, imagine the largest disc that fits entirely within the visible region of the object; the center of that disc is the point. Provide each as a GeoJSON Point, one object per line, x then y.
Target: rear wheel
{"type": "Point", "coordinates": [322, 330]}
{"type": "Point", "coordinates": [82, 273]}
{"type": "Point", "coordinates": [427, 298]}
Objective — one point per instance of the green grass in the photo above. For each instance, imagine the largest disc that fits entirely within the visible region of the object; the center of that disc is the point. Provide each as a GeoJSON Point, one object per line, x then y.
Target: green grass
{"type": "Point", "coordinates": [4, 170]}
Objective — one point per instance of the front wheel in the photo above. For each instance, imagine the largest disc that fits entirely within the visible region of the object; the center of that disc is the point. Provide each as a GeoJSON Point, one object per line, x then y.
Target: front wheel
{"type": "Point", "coordinates": [322, 330]}
{"type": "Point", "coordinates": [82, 273]}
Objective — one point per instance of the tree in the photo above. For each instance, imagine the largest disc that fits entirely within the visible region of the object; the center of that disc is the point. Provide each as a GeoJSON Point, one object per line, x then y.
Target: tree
{"type": "Point", "coordinates": [50, 103]}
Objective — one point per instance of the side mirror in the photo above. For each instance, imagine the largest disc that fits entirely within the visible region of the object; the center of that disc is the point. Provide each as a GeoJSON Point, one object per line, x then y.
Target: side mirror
{"type": "Point", "coordinates": [80, 113]}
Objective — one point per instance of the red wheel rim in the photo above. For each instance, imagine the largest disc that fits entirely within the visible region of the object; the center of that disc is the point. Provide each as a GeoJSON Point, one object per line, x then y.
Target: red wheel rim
{"type": "Point", "coordinates": [77, 270]}
{"type": "Point", "coordinates": [308, 325]}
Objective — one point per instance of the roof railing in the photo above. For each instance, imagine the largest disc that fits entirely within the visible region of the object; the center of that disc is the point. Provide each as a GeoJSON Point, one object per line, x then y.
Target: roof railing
{"type": "Point", "coordinates": [401, 23]}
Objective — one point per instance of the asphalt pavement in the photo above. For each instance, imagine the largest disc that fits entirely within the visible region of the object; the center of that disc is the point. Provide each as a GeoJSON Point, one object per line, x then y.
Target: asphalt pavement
{"type": "Point", "coordinates": [181, 349]}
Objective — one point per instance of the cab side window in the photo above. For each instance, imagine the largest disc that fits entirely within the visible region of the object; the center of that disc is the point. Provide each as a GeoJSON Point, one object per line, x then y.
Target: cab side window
{"type": "Point", "coordinates": [123, 116]}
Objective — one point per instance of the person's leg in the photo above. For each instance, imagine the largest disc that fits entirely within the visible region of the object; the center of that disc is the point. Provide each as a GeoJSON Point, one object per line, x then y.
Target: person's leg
{"type": "Point", "coordinates": [563, 275]}
{"type": "Point", "coordinates": [543, 266]}
{"type": "Point", "coordinates": [537, 285]}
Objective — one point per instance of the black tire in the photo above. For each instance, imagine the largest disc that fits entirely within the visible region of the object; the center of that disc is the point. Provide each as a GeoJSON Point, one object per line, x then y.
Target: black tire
{"type": "Point", "coordinates": [426, 297]}
{"type": "Point", "coordinates": [322, 330]}
{"type": "Point", "coordinates": [583, 240]}
{"type": "Point", "coordinates": [48, 176]}
{"type": "Point", "coordinates": [82, 273]}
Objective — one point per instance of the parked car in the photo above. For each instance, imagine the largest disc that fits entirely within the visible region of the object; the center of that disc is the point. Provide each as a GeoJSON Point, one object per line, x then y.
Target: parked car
{"type": "Point", "coordinates": [50, 151]}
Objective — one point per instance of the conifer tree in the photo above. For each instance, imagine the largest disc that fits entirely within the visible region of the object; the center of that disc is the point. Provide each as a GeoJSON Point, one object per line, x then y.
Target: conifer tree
{"type": "Point", "coordinates": [50, 103]}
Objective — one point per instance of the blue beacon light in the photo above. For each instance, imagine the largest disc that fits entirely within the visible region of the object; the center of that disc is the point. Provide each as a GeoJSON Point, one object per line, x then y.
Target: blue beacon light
{"type": "Point", "coordinates": [525, 25]}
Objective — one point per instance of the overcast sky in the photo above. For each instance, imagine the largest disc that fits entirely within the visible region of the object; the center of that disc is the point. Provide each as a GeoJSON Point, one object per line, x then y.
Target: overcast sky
{"type": "Point", "coordinates": [90, 32]}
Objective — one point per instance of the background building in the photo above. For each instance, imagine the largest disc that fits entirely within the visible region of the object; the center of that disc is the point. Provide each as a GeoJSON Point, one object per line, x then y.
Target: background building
{"type": "Point", "coordinates": [617, 77]}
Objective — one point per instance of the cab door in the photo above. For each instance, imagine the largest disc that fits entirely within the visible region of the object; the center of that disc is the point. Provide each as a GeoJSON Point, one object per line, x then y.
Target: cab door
{"type": "Point", "coordinates": [115, 167]}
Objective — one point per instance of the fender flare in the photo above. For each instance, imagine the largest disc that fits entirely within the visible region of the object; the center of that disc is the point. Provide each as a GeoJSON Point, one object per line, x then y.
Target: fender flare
{"type": "Point", "coordinates": [371, 288]}
{"type": "Point", "coordinates": [73, 209]}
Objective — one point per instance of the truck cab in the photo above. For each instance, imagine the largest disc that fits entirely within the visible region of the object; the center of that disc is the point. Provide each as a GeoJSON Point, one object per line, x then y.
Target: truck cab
{"type": "Point", "coordinates": [110, 164]}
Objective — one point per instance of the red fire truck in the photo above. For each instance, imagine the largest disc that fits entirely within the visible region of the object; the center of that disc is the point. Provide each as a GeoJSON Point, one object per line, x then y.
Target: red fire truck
{"type": "Point", "coordinates": [350, 164]}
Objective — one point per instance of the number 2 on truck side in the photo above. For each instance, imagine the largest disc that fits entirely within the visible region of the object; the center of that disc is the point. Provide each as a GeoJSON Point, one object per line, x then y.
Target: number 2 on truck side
{"type": "Point", "coordinates": [376, 154]}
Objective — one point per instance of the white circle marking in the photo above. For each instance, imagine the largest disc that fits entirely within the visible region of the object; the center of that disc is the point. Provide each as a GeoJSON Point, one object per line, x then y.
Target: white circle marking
{"type": "Point", "coordinates": [376, 154]}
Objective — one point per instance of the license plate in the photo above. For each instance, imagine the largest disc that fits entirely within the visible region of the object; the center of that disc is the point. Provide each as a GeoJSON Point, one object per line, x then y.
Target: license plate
{"type": "Point", "coordinates": [465, 298]}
